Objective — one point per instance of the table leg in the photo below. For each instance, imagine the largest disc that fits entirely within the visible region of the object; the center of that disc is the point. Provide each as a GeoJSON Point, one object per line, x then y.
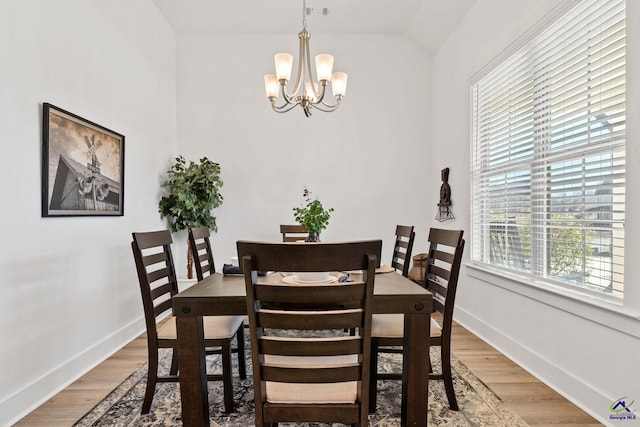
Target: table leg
{"type": "Point", "coordinates": [415, 370]}
{"type": "Point", "coordinates": [193, 371]}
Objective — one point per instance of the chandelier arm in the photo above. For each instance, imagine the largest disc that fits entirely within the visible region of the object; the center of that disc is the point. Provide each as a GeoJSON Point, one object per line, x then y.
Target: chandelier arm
{"type": "Point", "coordinates": [320, 96]}
{"type": "Point", "coordinates": [307, 59]}
{"type": "Point", "coordinates": [301, 54]}
{"type": "Point", "coordinates": [289, 99]}
{"type": "Point", "coordinates": [284, 107]}
{"type": "Point", "coordinates": [333, 107]}
{"type": "Point", "coordinates": [328, 109]}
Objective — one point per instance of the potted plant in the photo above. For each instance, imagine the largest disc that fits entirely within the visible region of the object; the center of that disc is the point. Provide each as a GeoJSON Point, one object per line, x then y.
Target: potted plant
{"type": "Point", "coordinates": [312, 215]}
{"type": "Point", "coordinates": [194, 191]}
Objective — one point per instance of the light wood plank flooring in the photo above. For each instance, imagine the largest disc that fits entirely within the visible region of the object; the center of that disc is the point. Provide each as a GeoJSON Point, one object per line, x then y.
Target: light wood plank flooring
{"type": "Point", "coordinates": [536, 403]}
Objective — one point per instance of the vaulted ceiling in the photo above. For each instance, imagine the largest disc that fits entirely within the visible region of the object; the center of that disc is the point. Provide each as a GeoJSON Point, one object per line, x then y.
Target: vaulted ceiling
{"type": "Point", "coordinates": [428, 22]}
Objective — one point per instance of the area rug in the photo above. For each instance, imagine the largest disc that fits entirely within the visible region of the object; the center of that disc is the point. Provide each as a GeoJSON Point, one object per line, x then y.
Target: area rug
{"type": "Point", "coordinates": [479, 406]}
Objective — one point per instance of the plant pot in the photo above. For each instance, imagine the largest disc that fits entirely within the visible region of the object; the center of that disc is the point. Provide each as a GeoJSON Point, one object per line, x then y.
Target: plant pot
{"type": "Point", "coordinates": [313, 236]}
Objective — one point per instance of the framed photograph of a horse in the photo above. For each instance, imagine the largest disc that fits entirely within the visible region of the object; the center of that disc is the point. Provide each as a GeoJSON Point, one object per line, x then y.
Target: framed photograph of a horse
{"type": "Point", "coordinates": [82, 166]}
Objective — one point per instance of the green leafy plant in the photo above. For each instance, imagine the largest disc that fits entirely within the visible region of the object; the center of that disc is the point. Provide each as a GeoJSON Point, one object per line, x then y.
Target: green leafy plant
{"type": "Point", "coordinates": [194, 191]}
{"type": "Point", "coordinates": [312, 215]}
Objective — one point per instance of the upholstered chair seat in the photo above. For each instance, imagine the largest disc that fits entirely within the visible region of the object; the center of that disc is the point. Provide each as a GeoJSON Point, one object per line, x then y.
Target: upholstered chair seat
{"type": "Point", "coordinates": [392, 325]}
{"type": "Point", "coordinates": [215, 327]}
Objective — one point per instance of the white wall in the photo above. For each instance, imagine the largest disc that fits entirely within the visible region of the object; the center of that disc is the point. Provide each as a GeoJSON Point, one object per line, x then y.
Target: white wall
{"type": "Point", "coordinates": [585, 352]}
{"type": "Point", "coordinates": [368, 160]}
{"type": "Point", "coordinates": [69, 291]}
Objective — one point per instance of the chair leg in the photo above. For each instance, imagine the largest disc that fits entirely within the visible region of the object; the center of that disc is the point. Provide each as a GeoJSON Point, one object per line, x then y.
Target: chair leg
{"type": "Point", "coordinates": [448, 377]}
{"type": "Point", "coordinates": [174, 362]}
{"type": "Point", "coordinates": [373, 377]}
{"type": "Point", "coordinates": [226, 375]}
{"type": "Point", "coordinates": [152, 379]}
{"type": "Point", "coordinates": [242, 367]}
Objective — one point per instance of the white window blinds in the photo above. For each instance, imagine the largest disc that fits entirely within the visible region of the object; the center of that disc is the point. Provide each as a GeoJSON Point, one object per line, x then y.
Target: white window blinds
{"type": "Point", "coordinates": [548, 160]}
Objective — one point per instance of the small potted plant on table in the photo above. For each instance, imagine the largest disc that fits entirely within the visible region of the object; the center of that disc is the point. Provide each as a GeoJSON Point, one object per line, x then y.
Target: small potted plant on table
{"type": "Point", "coordinates": [312, 215]}
{"type": "Point", "coordinates": [315, 218]}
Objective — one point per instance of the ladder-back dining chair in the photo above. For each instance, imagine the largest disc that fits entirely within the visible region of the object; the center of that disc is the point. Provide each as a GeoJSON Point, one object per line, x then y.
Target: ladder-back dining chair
{"type": "Point", "coordinates": [200, 244]}
{"type": "Point", "coordinates": [441, 278]}
{"type": "Point", "coordinates": [305, 368]}
{"type": "Point", "coordinates": [402, 249]}
{"type": "Point", "coordinates": [158, 285]}
{"type": "Point", "coordinates": [293, 233]}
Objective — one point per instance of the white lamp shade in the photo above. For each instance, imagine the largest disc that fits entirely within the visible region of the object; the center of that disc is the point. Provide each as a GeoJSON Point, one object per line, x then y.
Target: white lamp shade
{"type": "Point", "coordinates": [271, 85]}
{"type": "Point", "coordinates": [324, 66]}
{"type": "Point", "coordinates": [284, 62]}
{"type": "Point", "coordinates": [309, 89]}
{"type": "Point", "coordinates": [339, 83]}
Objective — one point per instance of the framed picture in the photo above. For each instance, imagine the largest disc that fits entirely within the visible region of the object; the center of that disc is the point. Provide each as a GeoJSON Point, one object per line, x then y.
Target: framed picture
{"type": "Point", "coordinates": [82, 166]}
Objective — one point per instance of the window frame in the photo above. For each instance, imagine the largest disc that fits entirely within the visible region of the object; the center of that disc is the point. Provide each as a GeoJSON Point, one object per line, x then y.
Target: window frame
{"type": "Point", "coordinates": [513, 273]}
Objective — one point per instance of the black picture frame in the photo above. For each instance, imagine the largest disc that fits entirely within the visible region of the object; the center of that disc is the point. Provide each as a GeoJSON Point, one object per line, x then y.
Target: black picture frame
{"type": "Point", "coordinates": [82, 166]}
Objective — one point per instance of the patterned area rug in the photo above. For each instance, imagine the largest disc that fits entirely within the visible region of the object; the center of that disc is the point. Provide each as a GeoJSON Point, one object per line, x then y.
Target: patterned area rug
{"type": "Point", "coordinates": [479, 406]}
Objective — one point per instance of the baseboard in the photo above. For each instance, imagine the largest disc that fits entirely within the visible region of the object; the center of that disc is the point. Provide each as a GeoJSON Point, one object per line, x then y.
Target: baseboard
{"type": "Point", "coordinates": [24, 401]}
{"type": "Point", "coordinates": [570, 387]}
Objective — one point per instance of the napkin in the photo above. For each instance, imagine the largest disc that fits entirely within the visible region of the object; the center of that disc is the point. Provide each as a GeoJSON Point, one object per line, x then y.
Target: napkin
{"type": "Point", "coordinates": [229, 269]}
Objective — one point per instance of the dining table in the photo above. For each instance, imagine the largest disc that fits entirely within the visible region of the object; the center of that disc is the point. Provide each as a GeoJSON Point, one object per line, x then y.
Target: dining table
{"type": "Point", "coordinates": [220, 294]}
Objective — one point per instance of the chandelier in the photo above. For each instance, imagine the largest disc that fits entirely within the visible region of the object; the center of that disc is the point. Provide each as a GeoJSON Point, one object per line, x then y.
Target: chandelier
{"type": "Point", "coordinates": [306, 93]}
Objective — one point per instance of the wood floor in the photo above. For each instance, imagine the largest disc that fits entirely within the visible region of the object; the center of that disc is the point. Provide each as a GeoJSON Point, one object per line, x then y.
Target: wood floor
{"type": "Point", "coordinates": [536, 403]}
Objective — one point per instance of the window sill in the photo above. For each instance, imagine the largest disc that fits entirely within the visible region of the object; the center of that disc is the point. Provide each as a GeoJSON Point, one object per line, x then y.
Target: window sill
{"type": "Point", "coordinates": [602, 310]}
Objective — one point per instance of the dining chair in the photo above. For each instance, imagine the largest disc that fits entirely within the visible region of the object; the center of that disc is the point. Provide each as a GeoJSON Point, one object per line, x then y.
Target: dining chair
{"type": "Point", "coordinates": [158, 285]}
{"type": "Point", "coordinates": [441, 278]}
{"type": "Point", "coordinates": [402, 249]}
{"type": "Point", "coordinates": [293, 233]}
{"type": "Point", "coordinates": [305, 368]}
{"type": "Point", "coordinates": [200, 246]}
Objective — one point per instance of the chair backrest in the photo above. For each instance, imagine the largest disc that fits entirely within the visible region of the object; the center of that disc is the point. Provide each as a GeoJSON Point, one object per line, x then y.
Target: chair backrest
{"type": "Point", "coordinates": [326, 365]}
{"type": "Point", "coordinates": [443, 268]}
{"type": "Point", "coordinates": [402, 249]}
{"type": "Point", "coordinates": [156, 274]}
{"type": "Point", "coordinates": [293, 233]}
{"type": "Point", "coordinates": [200, 244]}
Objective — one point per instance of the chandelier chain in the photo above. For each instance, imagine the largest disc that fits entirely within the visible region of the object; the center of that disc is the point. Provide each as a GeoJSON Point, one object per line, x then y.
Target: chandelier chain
{"type": "Point", "coordinates": [304, 14]}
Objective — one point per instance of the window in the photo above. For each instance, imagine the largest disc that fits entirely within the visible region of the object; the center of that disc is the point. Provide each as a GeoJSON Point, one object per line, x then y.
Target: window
{"type": "Point", "coordinates": [548, 160]}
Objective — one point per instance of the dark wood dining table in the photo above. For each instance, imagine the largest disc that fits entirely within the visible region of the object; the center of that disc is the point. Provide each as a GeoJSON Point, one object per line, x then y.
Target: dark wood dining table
{"type": "Point", "coordinates": [225, 295]}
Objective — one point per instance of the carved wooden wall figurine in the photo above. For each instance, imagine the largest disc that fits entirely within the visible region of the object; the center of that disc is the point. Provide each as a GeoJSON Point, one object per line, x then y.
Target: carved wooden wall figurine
{"type": "Point", "coordinates": [444, 206]}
